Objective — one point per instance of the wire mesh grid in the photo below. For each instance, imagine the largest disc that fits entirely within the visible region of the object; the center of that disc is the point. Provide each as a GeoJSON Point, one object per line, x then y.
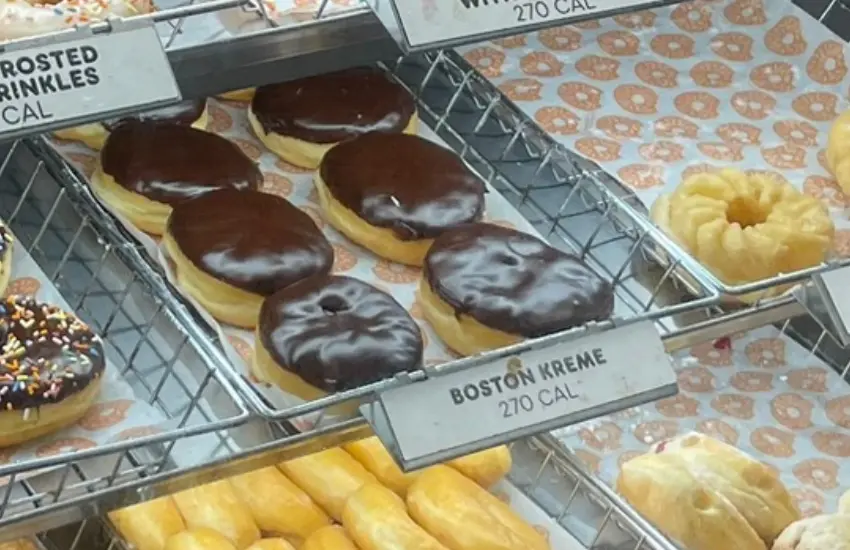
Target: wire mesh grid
{"type": "Point", "coordinates": [145, 337]}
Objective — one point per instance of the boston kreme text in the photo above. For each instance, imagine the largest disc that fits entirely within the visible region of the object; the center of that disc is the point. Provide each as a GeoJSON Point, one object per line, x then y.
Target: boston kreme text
{"type": "Point", "coordinates": [25, 77]}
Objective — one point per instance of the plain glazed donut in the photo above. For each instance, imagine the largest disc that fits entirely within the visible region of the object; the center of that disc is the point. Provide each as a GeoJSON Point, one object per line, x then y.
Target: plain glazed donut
{"type": "Point", "coordinates": [19, 19]}
{"type": "Point", "coordinates": [51, 369]}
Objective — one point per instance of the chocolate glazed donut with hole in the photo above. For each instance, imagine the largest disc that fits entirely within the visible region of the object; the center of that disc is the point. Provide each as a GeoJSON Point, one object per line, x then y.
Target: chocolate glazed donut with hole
{"type": "Point", "coordinates": [231, 249]}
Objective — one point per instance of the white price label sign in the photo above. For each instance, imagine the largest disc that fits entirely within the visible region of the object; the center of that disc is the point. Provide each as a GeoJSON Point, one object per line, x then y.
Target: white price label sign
{"type": "Point", "coordinates": [83, 76]}
{"type": "Point", "coordinates": [435, 21]}
{"type": "Point", "coordinates": [540, 389]}
{"type": "Point", "coordinates": [835, 284]}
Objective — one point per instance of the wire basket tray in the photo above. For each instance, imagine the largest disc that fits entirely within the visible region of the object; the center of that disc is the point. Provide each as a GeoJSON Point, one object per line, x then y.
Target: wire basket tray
{"type": "Point", "coordinates": [147, 337]}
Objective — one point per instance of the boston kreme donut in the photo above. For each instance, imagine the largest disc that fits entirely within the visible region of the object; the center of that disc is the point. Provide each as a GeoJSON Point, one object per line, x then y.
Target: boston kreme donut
{"type": "Point", "coordinates": [485, 287]}
{"type": "Point", "coordinates": [394, 193]}
{"type": "Point", "coordinates": [192, 113]}
{"type": "Point", "coordinates": [330, 334]}
{"type": "Point", "coordinates": [146, 168]}
{"type": "Point", "coordinates": [19, 19]}
{"type": "Point", "coordinates": [301, 119]}
{"type": "Point", "coordinates": [231, 249]}
{"type": "Point", "coordinates": [49, 361]}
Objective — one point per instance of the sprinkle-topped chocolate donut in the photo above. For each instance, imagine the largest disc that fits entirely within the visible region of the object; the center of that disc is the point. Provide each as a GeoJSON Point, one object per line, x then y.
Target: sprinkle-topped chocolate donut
{"type": "Point", "coordinates": [184, 113]}
{"type": "Point", "coordinates": [513, 282]}
{"type": "Point", "coordinates": [47, 354]}
{"type": "Point", "coordinates": [402, 182]}
{"type": "Point", "coordinates": [333, 107]}
{"type": "Point", "coordinates": [254, 241]}
{"type": "Point", "coordinates": [169, 163]}
{"type": "Point", "coordinates": [339, 333]}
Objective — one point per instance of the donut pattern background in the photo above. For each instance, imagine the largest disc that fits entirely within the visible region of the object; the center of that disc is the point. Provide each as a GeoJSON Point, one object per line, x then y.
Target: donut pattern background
{"type": "Point", "coordinates": [229, 120]}
{"type": "Point", "coordinates": [729, 82]}
{"type": "Point", "coordinates": [761, 392]}
{"type": "Point", "coordinates": [116, 414]}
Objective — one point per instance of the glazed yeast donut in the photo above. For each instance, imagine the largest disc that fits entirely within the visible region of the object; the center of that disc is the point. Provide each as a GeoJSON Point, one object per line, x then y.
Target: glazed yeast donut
{"type": "Point", "coordinates": [485, 287]}
{"type": "Point", "coordinates": [50, 370]}
{"type": "Point", "coordinates": [838, 151]}
{"type": "Point", "coordinates": [145, 168]}
{"type": "Point", "coordinates": [301, 119]}
{"type": "Point", "coordinates": [186, 113]}
{"type": "Point", "coordinates": [745, 228]}
{"type": "Point", "coordinates": [394, 193]}
{"type": "Point", "coordinates": [19, 19]}
{"type": "Point", "coordinates": [329, 334]}
{"type": "Point", "coordinates": [231, 249]}
{"type": "Point", "coordinates": [719, 496]}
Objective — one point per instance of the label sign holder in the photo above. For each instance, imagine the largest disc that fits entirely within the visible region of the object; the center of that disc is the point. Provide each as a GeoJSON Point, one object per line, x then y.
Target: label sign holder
{"type": "Point", "coordinates": [80, 75]}
{"type": "Point", "coordinates": [828, 301]}
{"type": "Point", "coordinates": [427, 24]}
{"type": "Point", "coordinates": [520, 391]}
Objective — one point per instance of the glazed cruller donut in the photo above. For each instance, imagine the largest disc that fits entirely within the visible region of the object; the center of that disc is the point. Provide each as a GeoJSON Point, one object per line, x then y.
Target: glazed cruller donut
{"type": "Point", "coordinates": [51, 367]}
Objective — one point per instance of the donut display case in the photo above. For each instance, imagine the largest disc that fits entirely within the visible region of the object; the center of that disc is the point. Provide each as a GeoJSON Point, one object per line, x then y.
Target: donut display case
{"type": "Point", "coordinates": [222, 296]}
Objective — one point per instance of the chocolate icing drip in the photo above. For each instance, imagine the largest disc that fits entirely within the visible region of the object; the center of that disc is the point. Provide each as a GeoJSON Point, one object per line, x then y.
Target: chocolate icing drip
{"type": "Point", "coordinates": [339, 333]}
{"type": "Point", "coordinates": [333, 107]}
{"type": "Point", "coordinates": [47, 354]}
{"type": "Point", "coordinates": [169, 163]}
{"type": "Point", "coordinates": [404, 183]}
{"type": "Point", "coordinates": [251, 240]}
{"type": "Point", "coordinates": [515, 283]}
{"type": "Point", "coordinates": [184, 113]}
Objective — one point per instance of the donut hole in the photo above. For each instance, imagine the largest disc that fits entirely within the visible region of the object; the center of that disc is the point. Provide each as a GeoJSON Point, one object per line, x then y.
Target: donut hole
{"type": "Point", "coordinates": [745, 212]}
{"type": "Point", "coordinates": [331, 305]}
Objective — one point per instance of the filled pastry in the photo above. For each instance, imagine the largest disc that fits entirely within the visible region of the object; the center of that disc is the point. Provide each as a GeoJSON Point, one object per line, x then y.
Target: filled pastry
{"type": "Point", "coordinates": [487, 467]}
{"type": "Point", "coordinates": [216, 506]}
{"type": "Point", "coordinates": [277, 505]}
{"type": "Point", "coordinates": [301, 119]}
{"type": "Point", "coordinates": [272, 544]}
{"type": "Point", "coordinates": [52, 367]}
{"type": "Point", "coordinates": [148, 525]}
{"type": "Point", "coordinates": [745, 228]}
{"type": "Point", "coordinates": [464, 516]}
{"type": "Point", "coordinates": [394, 193]}
{"type": "Point", "coordinates": [192, 113]}
{"type": "Point", "coordinates": [485, 287]}
{"type": "Point", "coordinates": [145, 168]}
{"type": "Point", "coordinates": [377, 519]}
{"type": "Point", "coordinates": [201, 538]}
{"type": "Point", "coordinates": [332, 537]}
{"type": "Point", "coordinates": [330, 477]}
{"type": "Point", "coordinates": [725, 498]}
{"type": "Point", "coordinates": [232, 249]}
{"type": "Point", "coordinates": [328, 334]}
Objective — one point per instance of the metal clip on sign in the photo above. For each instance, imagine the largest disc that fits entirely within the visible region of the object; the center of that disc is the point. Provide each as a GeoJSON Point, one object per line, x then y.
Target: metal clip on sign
{"type": "Point", "coordinates": [81, 75]}
{"type": "Point", "coordinates": [424, 24]}
{"type": "Point", "coordinates": [527, 389]}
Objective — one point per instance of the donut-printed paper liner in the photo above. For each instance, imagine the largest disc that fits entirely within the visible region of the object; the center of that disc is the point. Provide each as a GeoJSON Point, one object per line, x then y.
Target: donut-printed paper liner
{"type": "Point", "coordinates": [117, 415]}
{"type": "Point", "coordinates": [657, 95]}
{"type": "Point", "coordinates": [759, 391]}
{"type": "Point", "coordinates": [229, 119]}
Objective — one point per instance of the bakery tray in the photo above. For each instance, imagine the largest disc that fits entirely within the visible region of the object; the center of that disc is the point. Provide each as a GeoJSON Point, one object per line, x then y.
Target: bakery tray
{"type": "Point", "coordinates": [533, 88]}
{"type": "Point", "coordinates": [148, 338]}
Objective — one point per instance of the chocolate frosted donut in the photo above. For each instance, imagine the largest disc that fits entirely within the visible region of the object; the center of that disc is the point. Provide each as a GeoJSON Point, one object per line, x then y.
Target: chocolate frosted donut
{"type": "Point", "coordinates": [51, 361]}
{"type": "Point", "coordinates": [168, 163]}
{"type": "Point", "coordinates": [406, 189]}
{"type": "Point", "coordinates": [185, 113]}
{"type": "Point", "coordinates": [510, 282]}
{"type": "Point", "coordinates": [300, 119]}
{"type": "Point", "coordinates": [232, 248]}
{"type": "Point", "coordinates": [335, 333]}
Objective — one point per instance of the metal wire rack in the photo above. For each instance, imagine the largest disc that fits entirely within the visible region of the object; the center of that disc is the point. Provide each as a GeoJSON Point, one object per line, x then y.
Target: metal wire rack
{"type": "Point", "coordinates": [147, 338]}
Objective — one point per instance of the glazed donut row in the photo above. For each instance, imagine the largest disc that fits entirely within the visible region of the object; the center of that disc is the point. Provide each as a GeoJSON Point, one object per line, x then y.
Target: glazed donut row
{"type": "Point", "coordinates": [255, 261]}
{"type": "Point", "coordinates": [338, 499]}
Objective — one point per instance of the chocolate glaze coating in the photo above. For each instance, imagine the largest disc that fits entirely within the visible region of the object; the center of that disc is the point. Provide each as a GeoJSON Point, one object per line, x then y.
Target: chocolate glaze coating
{"type": "Point", "coordinates": [48, 354]}
{"type": "Point", "coordinates": [515, 283]}
{"type": "Point", "coordinates": [333, 107]}
{"type": "Point", "coordinates": [169, 163]}
{"type": "Point", "coordinates": [404, 183]}
{"type": "Point", "coordinates": [184, 113]}
{"type": "Point", "coordinates": [251, 240]}
{"type": "Point", "coordinates": [339, 333]}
